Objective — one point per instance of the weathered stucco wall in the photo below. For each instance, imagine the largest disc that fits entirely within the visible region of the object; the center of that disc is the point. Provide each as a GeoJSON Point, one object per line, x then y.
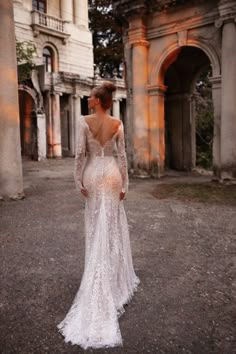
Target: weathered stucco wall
{"type": "Point", "coordinates": [206, 27]}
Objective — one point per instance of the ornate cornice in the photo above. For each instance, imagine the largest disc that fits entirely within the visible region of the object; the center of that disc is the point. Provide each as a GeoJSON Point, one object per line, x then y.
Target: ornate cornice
{"type": "Point", "coordinates": [126, 9]}
{"type": "Point", "coordinates": [129, 8]}
{"type": "Point", "coordinates": [181, 26]}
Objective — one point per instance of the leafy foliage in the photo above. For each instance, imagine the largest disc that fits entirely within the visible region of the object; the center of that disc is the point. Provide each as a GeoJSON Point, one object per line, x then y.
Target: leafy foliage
{"type": "Point", "coordinates": [25, 52]}
{"type": "Point", "coordinates": [107, 38]}
{"type": "Point", "coordinates": [204, 120]}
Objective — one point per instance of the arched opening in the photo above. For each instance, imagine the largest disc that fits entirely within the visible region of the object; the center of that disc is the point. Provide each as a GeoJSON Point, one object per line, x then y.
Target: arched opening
{"type": "Point", "coordinates": [49, 59]}
{"type": "Point", "coordinates": [181, 75]}
{"type": "Point", "coordinates": [28, 125]}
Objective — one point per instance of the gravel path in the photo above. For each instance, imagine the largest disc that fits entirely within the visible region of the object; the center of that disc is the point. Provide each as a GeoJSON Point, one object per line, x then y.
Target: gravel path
{"type": "Point", "coordinates": [184, 254]}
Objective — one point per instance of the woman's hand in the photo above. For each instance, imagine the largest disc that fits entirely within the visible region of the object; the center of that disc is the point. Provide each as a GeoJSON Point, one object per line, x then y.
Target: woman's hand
{"type": "Point", "coordinates": [122, 195]}
{"type": "Point", "coordinates": [84, 192]}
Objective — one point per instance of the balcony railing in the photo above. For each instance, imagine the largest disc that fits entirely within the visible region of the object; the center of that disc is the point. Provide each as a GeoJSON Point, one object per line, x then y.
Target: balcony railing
{"type": "Point", "coordinates": [51, 25]}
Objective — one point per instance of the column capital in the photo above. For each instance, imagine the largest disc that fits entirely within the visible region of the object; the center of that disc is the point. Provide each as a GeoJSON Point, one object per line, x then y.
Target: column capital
{"type": "Point", "coordinates": [56, 93]}
{"type": "Point", "coordinates": [227, 11]}
{"type": "Point", "coordinates": [225, 19]}
{"type": "Point", "coordinates": [215, 81]}
{"type": "Point", "coordinates": [156, 90]}
{"type": "Point", "coordinates": [137, 36]}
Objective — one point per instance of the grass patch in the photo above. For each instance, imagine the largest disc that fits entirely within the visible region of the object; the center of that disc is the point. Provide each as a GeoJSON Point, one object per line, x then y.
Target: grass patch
{"type": "Point", "coordinates": [212, 193]}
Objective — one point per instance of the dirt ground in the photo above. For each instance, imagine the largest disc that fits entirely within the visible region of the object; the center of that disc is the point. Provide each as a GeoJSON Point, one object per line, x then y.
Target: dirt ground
{"type": "Point", "coordinates": [184, 253]}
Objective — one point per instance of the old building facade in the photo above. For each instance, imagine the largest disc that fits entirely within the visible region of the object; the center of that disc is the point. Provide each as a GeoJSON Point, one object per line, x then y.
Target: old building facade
{"type": "Point", "coordinates": [167, 45]}
{"type": "Point", "coordinates": [55, 97]}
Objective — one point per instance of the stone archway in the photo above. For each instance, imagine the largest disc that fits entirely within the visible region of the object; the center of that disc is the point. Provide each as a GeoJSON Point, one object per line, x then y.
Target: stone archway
{"type": "Point", "coordinates": [172, 103]}
{"type": "Point", "coordinates": [179, 79]}
{"type": "Point", "coordinates": [155, 33]}
{"type": "Point", "coordinates": [28, 124]}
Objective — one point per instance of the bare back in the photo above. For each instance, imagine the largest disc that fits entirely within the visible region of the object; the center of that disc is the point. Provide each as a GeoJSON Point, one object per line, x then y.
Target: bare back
{"type": "Point", "coordinates": [102, 128]}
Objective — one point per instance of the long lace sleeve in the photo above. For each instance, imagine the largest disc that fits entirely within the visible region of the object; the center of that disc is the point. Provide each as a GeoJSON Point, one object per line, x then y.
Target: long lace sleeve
{"type": "Point", "coordinates": [122, 158]}
{"type": "Point", "coordinates": [80, 155]}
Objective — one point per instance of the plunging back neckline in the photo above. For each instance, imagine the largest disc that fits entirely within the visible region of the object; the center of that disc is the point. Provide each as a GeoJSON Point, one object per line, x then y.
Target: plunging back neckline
{"type": "Point", "coordinates": [96, 140]}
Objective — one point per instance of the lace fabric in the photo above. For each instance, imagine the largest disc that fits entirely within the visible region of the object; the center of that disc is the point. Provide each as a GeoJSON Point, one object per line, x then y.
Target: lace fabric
{"type": "Point", "coordinates": [109, 280]}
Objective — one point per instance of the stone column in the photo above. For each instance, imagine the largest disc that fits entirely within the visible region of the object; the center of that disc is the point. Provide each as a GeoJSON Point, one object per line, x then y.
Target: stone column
{"type": "Point", "coordinates": [11, 183]}
{"type": "Point", "coordinates": [56, 125]}
{"type": "Point", "coordinates": [227, 10]}
{"type": "Point", "coordinates": [41, 136]}
{"type": "Point", "coordinates": [81, 12]}
{"type": "Point", "coordinates": [193, 129]}
{"type": "Point", "coordinates": [137, 35]}
{"type": "Point", "coordinates": [216, 96]}
{"type": "Point", "coordinates": [228, 113]}
{"type": "Point", "coordinates": [157, 129]}
{"type": "Point", "coordinates": [116, 108]}
{"type": "Point", "coordinates": [77, 114]}
{"type": "Point", "coordinates": [67, 10]}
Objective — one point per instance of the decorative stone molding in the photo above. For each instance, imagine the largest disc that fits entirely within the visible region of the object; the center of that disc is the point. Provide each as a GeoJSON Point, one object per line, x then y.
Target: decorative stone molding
{"type": "Point", "coordinates": [227, 7]}
{"type": "Point", "coordinates": [227, 10]}
{"type": "Point", "coordinates": [77, 95]}
{"type": "Point", "coordinates": [156, 90]}
{"type": "Point", "coordinates": [137, 36]}
{"type": "Point", "coordinates": [155, 72]}
{"type": "Point", "coordinates": [216, 82]}
{"type": "Point", "coordinates": [226, 19]}
{"type": "Point", "coordinates": [140, 43]}
{"type": "Point", "coordinates": [182, 37]}
{"type": "Point", "coordinates": [43, 23]}
{"type": "Point", "coordinates": [127, 9]}
{"type": "Point", "coordinates": [30, 91]}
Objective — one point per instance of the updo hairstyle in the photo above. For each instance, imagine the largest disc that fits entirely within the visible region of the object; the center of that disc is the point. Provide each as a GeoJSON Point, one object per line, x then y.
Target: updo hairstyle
{"type": "Point", "coordinates": [104, 93]}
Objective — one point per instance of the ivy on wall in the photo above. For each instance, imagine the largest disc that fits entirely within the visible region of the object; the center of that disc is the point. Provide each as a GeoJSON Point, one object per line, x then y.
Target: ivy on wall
{"type": "Point", "coordinates": [25, 53]}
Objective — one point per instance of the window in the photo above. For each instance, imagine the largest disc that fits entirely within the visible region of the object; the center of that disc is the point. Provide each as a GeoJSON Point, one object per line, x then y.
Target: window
{"type": "Point", "coordinates": [48, 59]}
{"type": "Point", "coordinates": [39, 5]}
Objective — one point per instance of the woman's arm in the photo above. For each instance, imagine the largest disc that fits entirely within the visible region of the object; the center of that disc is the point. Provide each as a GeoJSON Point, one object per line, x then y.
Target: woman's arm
{"type": "Point", "coordinates": [80, 155]}
{"type": "Point", "coordinates": [122, 158]}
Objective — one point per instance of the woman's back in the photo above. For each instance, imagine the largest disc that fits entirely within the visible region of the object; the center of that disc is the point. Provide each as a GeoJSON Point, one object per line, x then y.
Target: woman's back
{"type": "Point", "coordinates": [102, 129]}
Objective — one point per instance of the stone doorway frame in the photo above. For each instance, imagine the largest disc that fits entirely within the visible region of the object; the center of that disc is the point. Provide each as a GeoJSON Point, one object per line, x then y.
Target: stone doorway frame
{"type": "Point", "coordinates": [40, 122]}
{"type": "Point", "coordinates": [156, 92]}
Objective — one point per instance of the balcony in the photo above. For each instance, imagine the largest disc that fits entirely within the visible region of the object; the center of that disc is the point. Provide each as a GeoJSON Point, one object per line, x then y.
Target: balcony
{"type": "Point", "coordinates": [50, 25]}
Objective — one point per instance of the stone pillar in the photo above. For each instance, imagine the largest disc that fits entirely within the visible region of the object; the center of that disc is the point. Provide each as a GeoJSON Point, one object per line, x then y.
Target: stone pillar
{"type": "Point", "coordinates": [216, 96]}
{"type": "Point", "coordinates": [137, 35]}
{"type": "Point", "coordinates": [41, 136]}
{"type": "Point", "coordinates": [11, 183]}
{"type": "Point", "coordinates": [77, 114]}
{"type": "Point", "coordinates": [157, 129]}
{"type": "Point", "coordinates": [116, 108]}
{"type": "Point", "coordinates": [67, 10]}
{"type": "Point", "coordinates": [227, 10]}
{"type": "Point", "coordinates": [228, 113]}
{"type": "Point", "coordinates": [81, 12]}
{"type": "Point", "coordinates": [193, 130]}
{"type": "Point", "coordinates": [56, 125]}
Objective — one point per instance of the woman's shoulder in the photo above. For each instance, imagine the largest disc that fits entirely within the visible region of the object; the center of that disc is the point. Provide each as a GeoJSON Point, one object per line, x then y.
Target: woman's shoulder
{"type": "Point", "coordinates": [116, 121]}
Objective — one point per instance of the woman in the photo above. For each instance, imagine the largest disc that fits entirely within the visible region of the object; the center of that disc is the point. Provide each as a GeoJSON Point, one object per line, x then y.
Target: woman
{"type": "Point", "coordinates": [109, 280]}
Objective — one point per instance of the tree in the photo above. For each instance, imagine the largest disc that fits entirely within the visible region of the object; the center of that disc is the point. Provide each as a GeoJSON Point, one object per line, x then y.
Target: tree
{"type": "Point", "coordinates": [25, 52]}
{"type": "Point", "coordinates": [107, 38]}
{"type": "Point", "coordinates": [204, 120]}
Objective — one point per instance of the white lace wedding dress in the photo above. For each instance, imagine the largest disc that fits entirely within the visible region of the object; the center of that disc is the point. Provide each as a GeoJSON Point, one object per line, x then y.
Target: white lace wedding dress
{"type": "Point", "coordinates": [109, 280]}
